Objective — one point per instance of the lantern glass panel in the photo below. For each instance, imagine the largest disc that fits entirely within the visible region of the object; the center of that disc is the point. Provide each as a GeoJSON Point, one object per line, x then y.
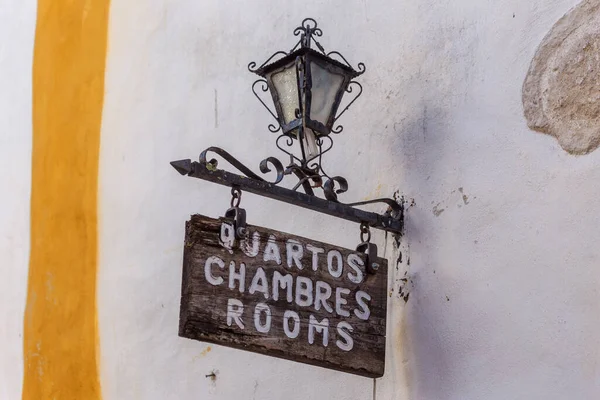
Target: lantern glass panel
{"type": "Point", "coordinates": [325, 87]}
{"type": "Point", "coordinates": [286, 85]}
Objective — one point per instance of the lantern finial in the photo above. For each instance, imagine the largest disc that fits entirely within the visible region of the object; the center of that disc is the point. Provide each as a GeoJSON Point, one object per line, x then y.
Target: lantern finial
{"type": "Point", "coordinates": [307, 30]}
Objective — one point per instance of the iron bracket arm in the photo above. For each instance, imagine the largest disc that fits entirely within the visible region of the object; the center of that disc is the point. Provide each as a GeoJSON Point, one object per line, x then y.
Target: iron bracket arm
{"type": "Point", "coordinates": [391, 221]}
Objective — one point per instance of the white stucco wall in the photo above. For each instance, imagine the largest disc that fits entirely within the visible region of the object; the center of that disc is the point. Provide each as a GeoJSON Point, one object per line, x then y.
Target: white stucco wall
{"type": "Point", "coordinates": [504, 283]}
{"type": "Point", "coordinates": [17, 29]}
{"type": "Point", "coordinates": [500, 247]}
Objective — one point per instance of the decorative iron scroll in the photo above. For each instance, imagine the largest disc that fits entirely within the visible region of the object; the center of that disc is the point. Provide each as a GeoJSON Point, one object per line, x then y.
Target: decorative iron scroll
{"type": "Point", "coordinates": [264, 164]}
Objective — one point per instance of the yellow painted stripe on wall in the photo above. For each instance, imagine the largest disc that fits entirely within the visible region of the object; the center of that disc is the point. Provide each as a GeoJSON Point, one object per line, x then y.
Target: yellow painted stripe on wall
{"type": "Point", "coordinates": [60, 327]}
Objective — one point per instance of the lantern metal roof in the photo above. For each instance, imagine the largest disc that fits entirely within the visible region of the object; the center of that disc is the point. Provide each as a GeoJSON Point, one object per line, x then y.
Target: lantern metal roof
{"type": "Point", "coordinates": [266, 68]}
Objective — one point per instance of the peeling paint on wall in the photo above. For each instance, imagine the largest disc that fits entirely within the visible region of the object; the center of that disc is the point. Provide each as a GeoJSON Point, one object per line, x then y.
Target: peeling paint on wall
{"type": "Point", "coordinates": [561, 95]}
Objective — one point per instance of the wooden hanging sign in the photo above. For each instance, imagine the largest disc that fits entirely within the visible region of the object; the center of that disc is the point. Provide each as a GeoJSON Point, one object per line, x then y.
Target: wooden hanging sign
{"type": "Point", "coordinates": [283, 296]}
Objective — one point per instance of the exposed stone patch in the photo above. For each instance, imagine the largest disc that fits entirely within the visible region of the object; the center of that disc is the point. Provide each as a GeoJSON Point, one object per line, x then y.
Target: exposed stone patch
{"type": "Point", "coordinates": [561, 94]}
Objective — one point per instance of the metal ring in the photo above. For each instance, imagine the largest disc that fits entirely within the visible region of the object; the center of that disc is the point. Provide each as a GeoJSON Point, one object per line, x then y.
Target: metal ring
{"type": "Point", "coordinates": [365, 230]}
{"type": "Point", "coordinates": [236, 197]}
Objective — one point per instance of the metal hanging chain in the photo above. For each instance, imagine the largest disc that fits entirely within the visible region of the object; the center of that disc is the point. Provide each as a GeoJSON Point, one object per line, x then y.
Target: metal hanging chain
{"type": "Point", "coordinates": [365, 230]}
{"type": "Point", "coordinates": [236, 197]}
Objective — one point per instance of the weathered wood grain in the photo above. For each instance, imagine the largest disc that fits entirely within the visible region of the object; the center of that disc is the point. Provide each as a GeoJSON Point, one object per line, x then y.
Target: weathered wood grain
{"type": "Point", "coordinates": [203, 314]}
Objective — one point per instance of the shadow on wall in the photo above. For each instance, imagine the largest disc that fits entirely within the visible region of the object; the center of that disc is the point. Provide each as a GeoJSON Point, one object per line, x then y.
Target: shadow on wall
{"type": "Point", "coordinates": [422, 140]}
{"type": "Point", "coordinates": [423, 146]}
{"type": "Point", "coordinates": [424, 153]}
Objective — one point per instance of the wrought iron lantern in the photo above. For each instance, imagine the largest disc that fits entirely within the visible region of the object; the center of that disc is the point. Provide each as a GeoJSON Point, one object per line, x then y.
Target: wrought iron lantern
{"type": "Point", "coordinates": [307, 86]}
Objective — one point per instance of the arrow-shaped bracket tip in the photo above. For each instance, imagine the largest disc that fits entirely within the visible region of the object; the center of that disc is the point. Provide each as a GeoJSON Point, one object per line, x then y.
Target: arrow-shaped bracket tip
{"type": "Point", "coordinates": [184, 167]}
